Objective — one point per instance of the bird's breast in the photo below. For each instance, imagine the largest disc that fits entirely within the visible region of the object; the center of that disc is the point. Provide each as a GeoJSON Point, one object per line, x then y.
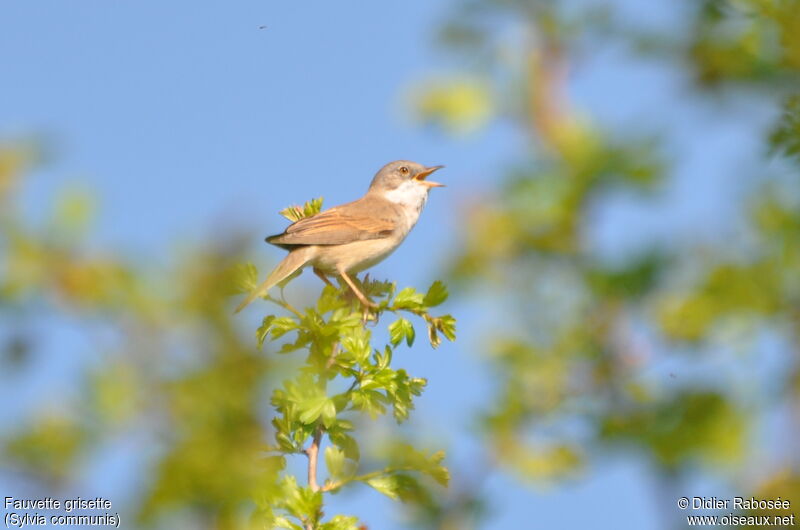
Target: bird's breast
{"type": "Point", "coordinates": [356, 256]}
{"type": "Point", "coordinates": [409, 198]}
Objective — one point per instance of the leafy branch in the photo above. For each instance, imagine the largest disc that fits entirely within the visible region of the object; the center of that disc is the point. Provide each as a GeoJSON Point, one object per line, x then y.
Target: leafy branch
{"type": "Point", "coordinates": [344, 376]}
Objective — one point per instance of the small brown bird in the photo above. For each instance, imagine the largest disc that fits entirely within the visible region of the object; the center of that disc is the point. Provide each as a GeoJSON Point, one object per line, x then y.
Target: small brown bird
{"type": "Point", "coordinates": [353, 237]}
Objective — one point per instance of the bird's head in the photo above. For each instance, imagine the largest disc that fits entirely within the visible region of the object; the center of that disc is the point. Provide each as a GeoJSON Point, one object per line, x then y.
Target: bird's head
{"type": "Point", "coordinates": [403, 174]}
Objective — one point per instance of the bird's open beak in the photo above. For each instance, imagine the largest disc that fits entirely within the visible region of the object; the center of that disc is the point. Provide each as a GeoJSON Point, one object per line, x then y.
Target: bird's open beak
{"type": "Point", "coordinates": [420, 177]}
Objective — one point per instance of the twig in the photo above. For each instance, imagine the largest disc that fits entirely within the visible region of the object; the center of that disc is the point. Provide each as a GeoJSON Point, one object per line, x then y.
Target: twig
{"type": "Point", "coordinates": [313, 456]}
{"type": "Point", "coordinates": [284, 304]}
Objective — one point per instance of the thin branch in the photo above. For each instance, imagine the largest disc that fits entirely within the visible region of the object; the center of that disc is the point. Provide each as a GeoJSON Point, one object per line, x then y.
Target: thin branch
{"type": "Point", "coordinates": [313, 457]}
{"type": "Point", "coordinates": [355, 383]}
{"type": "Point", "coordinates": [284, 304]}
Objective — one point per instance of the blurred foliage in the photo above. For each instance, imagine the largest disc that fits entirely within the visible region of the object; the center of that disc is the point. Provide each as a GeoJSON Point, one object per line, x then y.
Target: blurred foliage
{"type": "Point", "coordinates": [786, 136]}
{"type": "Point", "coordinates": [584, 334]}
{"type": "Point", "coordinates": [691, 425]}
{"type": "Point", "coordinates": [344, 376]}
{"type": "Point", "coordinates": [580, 364]}
{"type": "Point", "coordinates": [49, 447]}
{"type": "Point", "coordinates": [169, 369]}
{"type": "Point", "coordinates": [784, 485]}
{"type": "Point", "coordinates": [459, 106]}
{"type": "Point", "coordinates": [746, 40]}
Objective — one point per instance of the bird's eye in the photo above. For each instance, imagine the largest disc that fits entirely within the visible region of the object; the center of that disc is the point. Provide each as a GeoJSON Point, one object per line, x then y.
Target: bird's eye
{"type": "Point", "coordinates": [404, 170]}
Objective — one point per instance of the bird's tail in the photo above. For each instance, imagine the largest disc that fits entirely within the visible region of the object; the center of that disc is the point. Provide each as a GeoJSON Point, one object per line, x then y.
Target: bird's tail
{"type": "Point", "coordinates": [293, 261]}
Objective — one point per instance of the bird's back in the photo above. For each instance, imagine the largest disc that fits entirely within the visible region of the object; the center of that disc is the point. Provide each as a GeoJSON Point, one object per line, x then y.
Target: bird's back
{"type": "Point", "coordinates": [354, 221]}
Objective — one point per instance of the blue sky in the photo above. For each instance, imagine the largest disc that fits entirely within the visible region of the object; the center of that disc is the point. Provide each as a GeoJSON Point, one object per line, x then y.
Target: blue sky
{"type": "Point", "coordinates": [181, 114]}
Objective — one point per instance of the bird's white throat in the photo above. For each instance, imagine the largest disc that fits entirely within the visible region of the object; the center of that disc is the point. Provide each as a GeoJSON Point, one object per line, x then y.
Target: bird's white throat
{"type": "Point", "coordinates": [411, 195]}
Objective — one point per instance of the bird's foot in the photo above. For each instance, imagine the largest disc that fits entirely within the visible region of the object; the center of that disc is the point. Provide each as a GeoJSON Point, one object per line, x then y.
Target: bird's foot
{"type": "Point", "coordinates": [369, 313]}
{"type": "Point", "coordinates": [368, 316]}
{"type": "Point", "coordinates": [367, 304]}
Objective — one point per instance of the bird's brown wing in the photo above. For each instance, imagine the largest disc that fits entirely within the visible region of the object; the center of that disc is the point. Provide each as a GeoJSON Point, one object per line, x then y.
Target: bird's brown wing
{"type": "Point", "coordinates": [350, 222]}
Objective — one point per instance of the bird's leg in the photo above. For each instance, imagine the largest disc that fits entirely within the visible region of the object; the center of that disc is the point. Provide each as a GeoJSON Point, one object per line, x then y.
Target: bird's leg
{"type": "Point", "coordinates": [356, 291]}
{"type": "Point", "coordinates": [322, 277]}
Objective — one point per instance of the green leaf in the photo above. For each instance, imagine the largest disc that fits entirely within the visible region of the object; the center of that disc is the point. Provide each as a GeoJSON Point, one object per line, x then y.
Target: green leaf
{"type": "Point", "coordinates": [282, 325]}
{"type": "Point", "coordinates": [282, 522]}
{"type": "Point", "coordinates": [408, 298]}
{"type": "Point", "coordinates": [263, 330]}
{"type": "Point", "coordinates": [305, 400]}
{"type": "Point", "coordinates": [312, 207]}
{"type": "Point", "coordinates": [410, 335]}
{"type": "Point", "coordinates": [406, 456]}
{"type": "Point", "coordinates": [386, 484]}
{"type": "Point", "coordinates": [334, 461]}
{"type": "Point", "coordinates": [295, 213]}
{"type": "Point", "coordinates": [303, 338]}
{"type": "Point", "coordinates": [403, 388]}
{"type": "Point", "coordinates": [397, 486]}
{"type": "Point", "coordinates": [311, 409]}
{"type": "Point", "coordinates": [447, 325]}
{"type": "Point", "coordinates": [357, 342]}
{"type": "Point", "coordinates": [370, 401]}
{"type": "Point", "coordinates": [285, 442]}
{"type": "Point", "coordinates": [436, 471]}
{"type": "Point", "coordinates": [274, 463]}
{"type": "Point", "coordinates": [436, 295]}
{"type": "Point", "coordinates": [243, 278]}
{"type": "Point", "coordinates": [329, 300]}
{"type": "Point", "coordinates": [346, 443]}
{"type": "Point", "coordinates": [339, 466]}
{"type": "Point", "coordinates": [382, 360]}
{"type": "Point", "coordinates": [375, 288]}
{"type": "Point", "coordinates": [328, 413]}
{"type": "Point", "coordinates": [401, 329]}
{"type": "Point", "coordinates": [300, 502]}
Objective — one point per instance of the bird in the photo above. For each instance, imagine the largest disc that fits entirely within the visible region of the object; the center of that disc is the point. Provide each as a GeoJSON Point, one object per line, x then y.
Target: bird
{"type": "Point", "coordinates": [352, 237]}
